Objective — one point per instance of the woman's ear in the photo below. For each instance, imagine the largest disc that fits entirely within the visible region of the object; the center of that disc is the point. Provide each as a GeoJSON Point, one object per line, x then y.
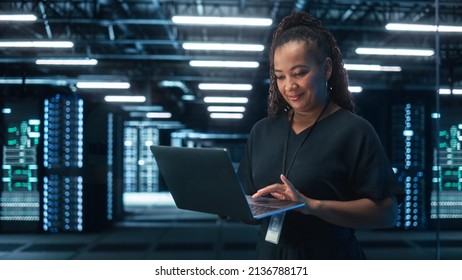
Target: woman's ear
{"type": "Point", "coordinates": [327, 68]}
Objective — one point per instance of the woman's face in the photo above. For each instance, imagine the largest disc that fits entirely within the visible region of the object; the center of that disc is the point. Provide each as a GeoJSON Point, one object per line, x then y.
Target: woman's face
{"type": "Point", "coordinates": [300, 78]}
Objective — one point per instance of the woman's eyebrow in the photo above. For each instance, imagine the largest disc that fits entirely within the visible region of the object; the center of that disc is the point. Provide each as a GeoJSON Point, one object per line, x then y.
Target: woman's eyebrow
{"type": "Point", "coordinates": [293, 67]}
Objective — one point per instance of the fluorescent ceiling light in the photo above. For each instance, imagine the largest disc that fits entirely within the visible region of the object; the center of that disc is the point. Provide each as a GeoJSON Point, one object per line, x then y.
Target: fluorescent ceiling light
{"type": "Point", "coordinates": [137, 114]}
{"type": "Point", "coordinates": [405, 52]}
{"type": "Point", "coordinates": [446, 91]}
{"type": "Point", "coordinates": [231, 21]}
{"type": "Point", "coordinates": [211, 86]}
{"type": "Point", "coordinates": [45, 81]}
{"type": "Point", "coordinates": [34, 81]}
{"type": "Point", "coordinates": [372, 67]}
{"type": "Point", "coordinates": [36, 44]}
{"type": "Point", "coordinates": [355, 89]}
{"type": "Point", "coordinates": [18, 18]}
{"type": "Point", "coordinates": [233, 109]}
{"type": "Point", "coordinates": [125, 98]}
{"type": "Point", "coordinates": [226, 115]}
{"type": "Point", "coordinates": [226, 64]}
{"type": "Point", "coordinates": [422, 27]}
{"type": "Point", "coordinates": [159, 115]}
{"type": "Point", "coordinates": [168, 83]}
{"type": "Point", "coordinates": [67, 61]}
{"type": "Point", "coordinates": [188, 97]}
{"type": "Point", "coordinates": [143, 108]}
{"type": "Point", "coordinates": [103, 85]}
{"type": "Point", "coordinates": [223, 47]}
{"type": "Point", "coordinates": [172, 83]}
{"type": "Point", "coordinates": [217, 99]}
{"type": "Point", "coordinates": [11, 81]}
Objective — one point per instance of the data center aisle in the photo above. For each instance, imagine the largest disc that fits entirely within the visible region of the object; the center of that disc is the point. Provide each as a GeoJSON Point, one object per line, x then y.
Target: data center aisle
{"type": "Point", "coordinates": [166, 233]}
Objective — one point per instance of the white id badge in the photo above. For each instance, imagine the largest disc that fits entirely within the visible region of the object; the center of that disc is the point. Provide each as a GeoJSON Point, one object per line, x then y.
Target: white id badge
{"type": "Point", "coordinates": [275, 228]}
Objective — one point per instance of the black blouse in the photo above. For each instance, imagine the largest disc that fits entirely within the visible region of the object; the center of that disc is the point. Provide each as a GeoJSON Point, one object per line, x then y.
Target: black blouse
{"type": "Point", "coordinates": [342, 159]}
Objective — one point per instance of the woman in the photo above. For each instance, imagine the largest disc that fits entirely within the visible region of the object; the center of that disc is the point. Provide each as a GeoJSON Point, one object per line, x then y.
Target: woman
{"type": "Point", "coordinates": [313, 148]}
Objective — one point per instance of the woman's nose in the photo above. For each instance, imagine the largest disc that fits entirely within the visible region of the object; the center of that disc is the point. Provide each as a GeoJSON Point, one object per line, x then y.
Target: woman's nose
{"type": "Point", "coordinates": [290, 85]}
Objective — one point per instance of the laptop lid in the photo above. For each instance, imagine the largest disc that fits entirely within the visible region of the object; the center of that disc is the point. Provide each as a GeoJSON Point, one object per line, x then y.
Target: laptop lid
{"type": "Point", "coordinates": [204, 180]}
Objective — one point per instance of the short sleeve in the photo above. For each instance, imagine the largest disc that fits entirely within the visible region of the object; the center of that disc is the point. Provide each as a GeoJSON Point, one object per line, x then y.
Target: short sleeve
{"type": "Point", "coordinates": [374, 177]}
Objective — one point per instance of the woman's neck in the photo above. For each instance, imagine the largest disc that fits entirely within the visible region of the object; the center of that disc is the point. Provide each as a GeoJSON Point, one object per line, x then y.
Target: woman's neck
{"type": "Point", "coordinates": [303, 120]}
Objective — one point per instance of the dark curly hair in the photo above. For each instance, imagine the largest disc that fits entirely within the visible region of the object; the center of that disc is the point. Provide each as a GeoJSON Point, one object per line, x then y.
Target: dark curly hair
{"type": "Point", "coordinates": [301, 26]}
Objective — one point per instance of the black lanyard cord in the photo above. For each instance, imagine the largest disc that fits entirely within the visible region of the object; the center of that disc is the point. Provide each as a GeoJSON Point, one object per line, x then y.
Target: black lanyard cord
{"type": "Point", "coordinates": [284, 156]}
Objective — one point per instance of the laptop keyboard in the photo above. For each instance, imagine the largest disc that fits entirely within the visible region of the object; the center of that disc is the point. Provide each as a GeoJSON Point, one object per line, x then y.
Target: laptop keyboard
{"type": "Point", "coordinates": [260, 209]}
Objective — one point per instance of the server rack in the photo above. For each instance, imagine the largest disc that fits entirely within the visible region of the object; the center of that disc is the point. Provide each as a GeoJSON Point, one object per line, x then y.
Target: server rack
{"type": "Point", "coordinates": [60, 165]}
{"type": "Point", "coordinates": [20, 189]}
{"type": "Point", "coordinates": [409, 160]}
{"type": "Point", "coordinates": [446, 196]}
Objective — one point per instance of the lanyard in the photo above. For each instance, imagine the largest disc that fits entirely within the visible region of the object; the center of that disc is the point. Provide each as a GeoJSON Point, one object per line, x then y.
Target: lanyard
{"type": "Point", "coordinates": [284, 155]}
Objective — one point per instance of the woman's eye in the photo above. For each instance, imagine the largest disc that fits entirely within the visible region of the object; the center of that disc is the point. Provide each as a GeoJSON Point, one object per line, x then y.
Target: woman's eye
{"type": "Point", "coordinates": [279, 77]}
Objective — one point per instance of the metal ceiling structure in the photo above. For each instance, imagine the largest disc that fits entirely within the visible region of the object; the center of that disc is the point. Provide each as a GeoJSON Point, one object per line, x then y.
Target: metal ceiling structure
{"type": "Point", "coordinates": [136, 41]}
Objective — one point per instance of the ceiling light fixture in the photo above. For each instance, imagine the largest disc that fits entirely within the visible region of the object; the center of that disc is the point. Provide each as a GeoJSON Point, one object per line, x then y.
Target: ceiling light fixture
{"type": "Point", "coordinates": [172, 83]}
{"type": "Point", "coordinates": [159, 115]}
{"type": "Point", "coordinates": [447, 91]}
{"type": "Point", "coordinates": [372, 67]}
{"type": "Point", "coordinates": [36, 44]}
{"type": "Point", "coordinates": [67, 61]}
{"type": "Point", "coordinates": [26, 17]}
{"type": "Point", "coordinates": [404, 52]}
{"type": "Point", "coordinates": [143, 108]}
{"type": "Point", "coordinates": [229, 109]}
{"type": "Point", "coordinates": [225, 64]}
{"type": "Point", "coordinates": [103, 85]}
{"type": "Point", "coordinates": [125, 98]}
{"type": "Point", "coordinates": [223, 47]}
{"type": "Point", "coordinates": [230, 21]}
{"type": "Point", "coordinates": [34, 81]}
{"type": "Point", "coordinates": [226, 115]}
{"type": "Point", "coordinates": [218, 99]}
{"type": "Point", "coordinates": [237, 87]}
{"type": "Point", "coordinates": [355, 89]}
{"type": "Point", "coordinates": [422, 27]}
{"type": "Point", "coordinates": [11, 81]}
{"type": "Point", "coordinates": [188, 97]}
{"type": "Point", "coordinates": [444, 91]}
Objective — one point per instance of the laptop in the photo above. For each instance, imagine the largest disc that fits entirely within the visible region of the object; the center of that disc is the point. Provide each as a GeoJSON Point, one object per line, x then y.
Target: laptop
{"type": "Point", "coordinates": [204, 180]}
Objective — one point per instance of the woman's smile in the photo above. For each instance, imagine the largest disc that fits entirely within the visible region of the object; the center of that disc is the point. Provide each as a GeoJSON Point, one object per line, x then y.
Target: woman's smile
{"type": "Point", "coordinates": [295, 97]}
